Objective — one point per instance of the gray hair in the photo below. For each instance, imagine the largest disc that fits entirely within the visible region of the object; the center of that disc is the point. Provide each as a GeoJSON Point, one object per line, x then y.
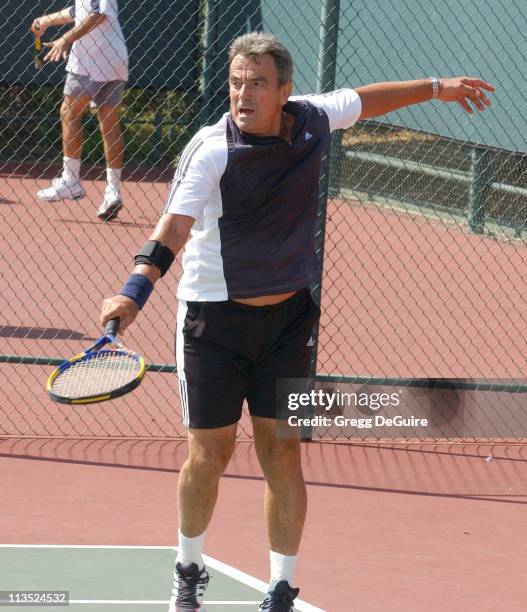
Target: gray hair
{"type": "Point", "coordinates": [255, 44]}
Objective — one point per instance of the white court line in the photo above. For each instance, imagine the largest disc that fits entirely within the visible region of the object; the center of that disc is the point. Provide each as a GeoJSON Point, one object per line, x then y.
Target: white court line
{"type": "Point", "coordinates": [232, 572]}
{"type": "Point", "coordinates": [155, 602]}
{"type": "Point", "coordinates": [82, 546]}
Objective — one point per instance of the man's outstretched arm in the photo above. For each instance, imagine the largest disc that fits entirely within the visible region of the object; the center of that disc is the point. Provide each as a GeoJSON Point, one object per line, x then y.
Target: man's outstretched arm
{"type": "Point", "coordinates": [381, 98]}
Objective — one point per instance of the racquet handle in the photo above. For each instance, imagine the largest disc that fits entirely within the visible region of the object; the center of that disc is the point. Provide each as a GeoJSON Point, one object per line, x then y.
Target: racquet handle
{"type": "Point", "coordinates": [37, 49]}
{"type": "Point", "coordinates": [112, 327]}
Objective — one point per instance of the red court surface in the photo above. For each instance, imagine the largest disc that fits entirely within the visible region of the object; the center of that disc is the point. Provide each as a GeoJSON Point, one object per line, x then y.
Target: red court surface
{"type": "Point", "coordinates": [391, 528]}
{"type": "Point", "coordinates": [410, 296]}
{"type": "Point", "coordinates": [403, 295]}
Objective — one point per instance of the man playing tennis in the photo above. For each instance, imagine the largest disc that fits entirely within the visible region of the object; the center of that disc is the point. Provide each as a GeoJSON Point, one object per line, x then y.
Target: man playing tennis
{"type": "Point", "coordinates": [97, 72]}
{"type": "Point", "coordinates": [246, 189]}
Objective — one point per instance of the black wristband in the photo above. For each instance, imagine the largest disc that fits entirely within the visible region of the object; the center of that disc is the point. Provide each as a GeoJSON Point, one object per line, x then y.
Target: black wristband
{"type": "Point", "coordinates": [156, 254]}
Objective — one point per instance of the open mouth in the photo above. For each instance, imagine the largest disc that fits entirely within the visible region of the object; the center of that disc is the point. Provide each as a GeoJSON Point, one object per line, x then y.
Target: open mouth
{"type": "Point", "coordinates": [245, 112]}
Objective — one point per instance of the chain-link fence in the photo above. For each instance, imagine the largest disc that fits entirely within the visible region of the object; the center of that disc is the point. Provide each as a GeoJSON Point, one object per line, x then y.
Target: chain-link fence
{"type": "Point", "coordinates": [423, 250]}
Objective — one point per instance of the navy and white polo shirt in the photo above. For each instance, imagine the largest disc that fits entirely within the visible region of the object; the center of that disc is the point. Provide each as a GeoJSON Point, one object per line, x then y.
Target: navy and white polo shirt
{"type": "Point", "coordinates": [254, 200]}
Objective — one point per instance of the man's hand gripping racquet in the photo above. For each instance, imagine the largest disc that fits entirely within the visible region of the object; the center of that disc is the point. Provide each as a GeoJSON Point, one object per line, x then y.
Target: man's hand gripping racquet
{"type": "Point", "coordinates": [103, 371]}
{"type": "Point", "coordinates": [37, 45]}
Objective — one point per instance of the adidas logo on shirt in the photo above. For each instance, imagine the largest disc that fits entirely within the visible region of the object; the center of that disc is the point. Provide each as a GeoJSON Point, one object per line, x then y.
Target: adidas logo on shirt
{"type": "Point", "coordinates": [308, 136]}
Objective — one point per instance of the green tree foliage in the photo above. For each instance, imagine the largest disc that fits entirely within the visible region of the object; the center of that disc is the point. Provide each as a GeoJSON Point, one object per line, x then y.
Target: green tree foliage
{"type": "Point", "coordinates": [156, 125]}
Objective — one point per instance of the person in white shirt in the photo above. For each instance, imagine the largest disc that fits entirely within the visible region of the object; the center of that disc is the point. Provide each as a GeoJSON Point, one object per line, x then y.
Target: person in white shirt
{"type": "Point", "coordinates": [97, 72]}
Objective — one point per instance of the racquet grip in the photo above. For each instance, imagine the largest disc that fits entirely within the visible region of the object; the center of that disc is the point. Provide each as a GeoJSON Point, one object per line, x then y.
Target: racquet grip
{"type": "Point", "coordinates": [112, 327]}
{"type": "Point", "coordinates": [37, 52]}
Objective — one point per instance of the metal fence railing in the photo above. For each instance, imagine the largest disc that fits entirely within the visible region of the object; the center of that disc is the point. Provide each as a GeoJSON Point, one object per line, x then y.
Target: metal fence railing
{"type": "Point", "coordinates": [421, 221]}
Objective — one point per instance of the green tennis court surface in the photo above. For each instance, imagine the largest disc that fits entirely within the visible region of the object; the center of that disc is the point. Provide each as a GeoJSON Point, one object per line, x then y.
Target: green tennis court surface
{"type": "Point", "coordinates": [131, 579]}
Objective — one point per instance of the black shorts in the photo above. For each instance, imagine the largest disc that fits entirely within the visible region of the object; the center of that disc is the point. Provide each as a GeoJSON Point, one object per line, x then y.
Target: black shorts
{"type": "Point", "coordinates": [227, 352]}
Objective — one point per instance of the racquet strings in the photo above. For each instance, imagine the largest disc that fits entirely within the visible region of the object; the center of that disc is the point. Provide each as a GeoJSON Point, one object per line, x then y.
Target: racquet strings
{"type": "Point", "coordinates": [96, 374]}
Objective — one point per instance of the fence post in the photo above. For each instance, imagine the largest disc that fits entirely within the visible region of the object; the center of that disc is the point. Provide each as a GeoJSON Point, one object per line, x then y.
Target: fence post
{"type": "Point", "coordinates": [158, 137]}
{"type": "Point", "coordinates": [209, 51]}
{"type": "Point", "coordinates": [327, 53]}
{"type": "Point", "coordinates": [327, 66]}
{"type": "Point", "coordinates": [480, 180]}
{"type": "Point", "coordinates": [224, 21]}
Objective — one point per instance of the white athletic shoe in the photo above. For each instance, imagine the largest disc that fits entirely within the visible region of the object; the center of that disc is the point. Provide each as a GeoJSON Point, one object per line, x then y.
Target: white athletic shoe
{"type": "Point", "coordinates": [61, 190]}
{"type": "Point", "coordinates": [110, 207]}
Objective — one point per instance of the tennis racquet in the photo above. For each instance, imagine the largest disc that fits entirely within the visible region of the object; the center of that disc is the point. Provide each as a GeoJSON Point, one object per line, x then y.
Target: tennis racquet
{"type": "Point", "coordinates": [99, 373]}
{"type": "Point", "coordinates": [37, 52]}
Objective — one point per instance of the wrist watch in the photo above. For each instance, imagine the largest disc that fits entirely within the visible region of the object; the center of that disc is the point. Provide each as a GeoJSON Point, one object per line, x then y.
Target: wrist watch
{"type": "Point", "coordinates": [435, 86]}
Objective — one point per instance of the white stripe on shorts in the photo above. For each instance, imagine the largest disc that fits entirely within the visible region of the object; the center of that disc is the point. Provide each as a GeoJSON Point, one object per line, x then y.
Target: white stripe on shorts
{"type": "Point", "coordinates": [184, 402]}
{"type": "Point", "coordinates": [180, 361]}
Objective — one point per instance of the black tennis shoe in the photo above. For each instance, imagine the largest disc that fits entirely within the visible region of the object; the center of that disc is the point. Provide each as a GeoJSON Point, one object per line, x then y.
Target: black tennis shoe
{"type": "Point", "coordinates": [280, 599]}
{"type": "Point", "coordinates": [189, 584]}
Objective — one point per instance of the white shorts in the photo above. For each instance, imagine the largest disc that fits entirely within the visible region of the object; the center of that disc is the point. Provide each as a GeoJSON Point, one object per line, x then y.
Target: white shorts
{"type": "Point", "coordinates": [101, 93]}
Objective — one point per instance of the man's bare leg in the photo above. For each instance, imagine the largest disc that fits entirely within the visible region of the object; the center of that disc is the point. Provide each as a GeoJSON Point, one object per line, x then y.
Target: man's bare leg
{"type": "Point", "coordinates": [285, 500]}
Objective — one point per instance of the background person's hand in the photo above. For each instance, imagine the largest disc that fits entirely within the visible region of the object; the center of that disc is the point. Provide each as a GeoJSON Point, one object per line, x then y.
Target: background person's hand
{"type": "Point", "coordinates": [119, 306]}
{"type": "Point", "coordinates": [58, 50]}
{"type": "Point", "coordinates": [465, 90]}
{"type": "Point", "coordinates": [38, 27]}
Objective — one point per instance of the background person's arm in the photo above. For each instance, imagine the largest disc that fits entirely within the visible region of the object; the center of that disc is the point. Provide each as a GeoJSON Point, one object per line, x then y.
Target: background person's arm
{"type": "Point", "coordinates": [381, 98]}
{"type": "Point", "coordinates": [41, 24]}
{"type": "Point", "coordinates": [59, 48]}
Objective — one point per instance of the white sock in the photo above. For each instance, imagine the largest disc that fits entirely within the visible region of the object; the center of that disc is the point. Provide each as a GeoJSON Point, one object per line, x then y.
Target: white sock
{"type": "Point", "coordinates": [113, 177]}
{"type": "Point", "coordinates": [190, 549]}
{"type": "Point", "coordinates": [71, 169]}
{"type": "Point", "coordinates": [282, 568]}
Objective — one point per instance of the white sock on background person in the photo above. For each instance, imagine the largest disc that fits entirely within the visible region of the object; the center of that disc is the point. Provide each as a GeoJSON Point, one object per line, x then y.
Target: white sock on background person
{"type": "Point", "coordinates": [71, 169]}
{"type": "Point", "coordinates": [190, 550]}
{"type": "Point", "coordinates": [282, 568]}
{"type": "Point", "coordinates": [113, 178]}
